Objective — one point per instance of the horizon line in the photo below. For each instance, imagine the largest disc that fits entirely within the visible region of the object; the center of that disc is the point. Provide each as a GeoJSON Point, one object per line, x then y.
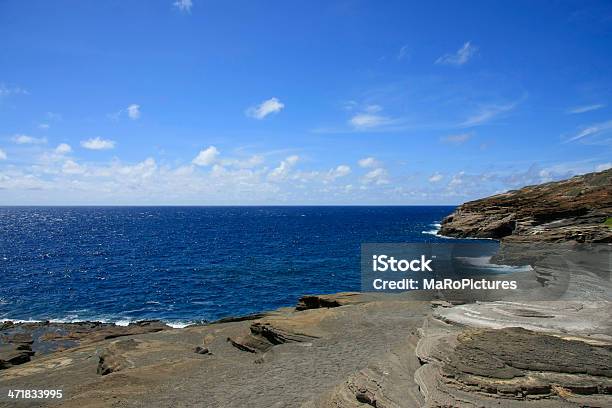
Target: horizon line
{"type": "Point", "coordinates": [226, 205]}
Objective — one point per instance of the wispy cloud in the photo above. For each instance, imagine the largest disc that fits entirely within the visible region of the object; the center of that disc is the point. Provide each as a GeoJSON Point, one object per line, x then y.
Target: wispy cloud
{"type": "Point", "coordinates": [133, 111]}
{"type": "Point", "coordinates": [72, 167]}
{"type": "Point", "coordinates": [436, 177]}
{"type": "Point", "coordinates": [98, 144]}
{"type": "Point", "coordinates": [369, 118]}
{"type": "Point", "coordinates": [403, 53]}
{"type": "Point", "coordinates": [206, 157]}
{"type": "Point", "coordinates": [603, 166]}
{"type": "Point", "coordinates": [368, 162]}
{"type": "Point", "coordinates": [457, 139]}
{"type": "Point", "coordinates": [341, 171]}
{"type": "Point", "coordinates": [247, 163]}
{"type": "Point", "coordinates": [2, 155]}
{"type": "Point", "coordinates": [25, 139]}
{"type": "Point", "coordinates": [267, 107]}
{"type": "Point", "coordinates": [183, 5]}
{"type": "Point", "coordinates": [377, 176]}
{"type": "Point", "coordinates": [63, 148]}
{"type": "Point", "coordinates": [6, 90]}
{"type": "Point", "coordinates": [586, 108]}
{"type": "Point", "coordinates": [282, 171]}
{"type": "Point", "coordinates": [592, 130]}
{"type": "Point", "coordinates": [487, 113]}
{"type": "Point", "coordinates": [460, 57]}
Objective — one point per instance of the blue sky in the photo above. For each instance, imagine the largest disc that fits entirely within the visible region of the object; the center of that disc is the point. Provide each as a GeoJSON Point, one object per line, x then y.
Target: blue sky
{"type": "Point", "coordinates": [272, 102]}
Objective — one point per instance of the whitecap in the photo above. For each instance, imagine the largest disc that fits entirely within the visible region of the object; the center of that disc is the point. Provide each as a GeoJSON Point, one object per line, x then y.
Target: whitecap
{"type": "Point", "coordinates": [436, 227]}
{"type": "Point", "coordinates": [484, 262]}
{"type": "Point", "coordinates": [20, 320]}
{"type": "Point", "coordinates": [179, 325]}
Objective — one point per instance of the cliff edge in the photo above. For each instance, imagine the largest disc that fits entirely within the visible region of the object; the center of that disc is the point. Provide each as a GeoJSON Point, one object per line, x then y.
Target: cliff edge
{"type": "Point", "coordinates": [577, 209]}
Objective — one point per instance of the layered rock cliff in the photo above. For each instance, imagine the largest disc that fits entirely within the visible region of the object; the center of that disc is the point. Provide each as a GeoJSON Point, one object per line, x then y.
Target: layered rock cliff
{"type": "Point", "coordinates": [578, 209]}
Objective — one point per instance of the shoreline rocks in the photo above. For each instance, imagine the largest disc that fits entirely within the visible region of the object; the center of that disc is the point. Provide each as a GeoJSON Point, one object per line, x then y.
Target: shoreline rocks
{"type": "Point", "coordinates": [19, 342]}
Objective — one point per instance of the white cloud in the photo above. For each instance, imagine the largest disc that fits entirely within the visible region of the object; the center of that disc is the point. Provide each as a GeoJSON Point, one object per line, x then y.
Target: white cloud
{"type": "Point", "coordinates": [377, 176]}
{"type": "Point", "coordinates": [72, 167]}
{"type": "Point", "coordinates": [592, 130]}
{"type": "Point", "coordinates": [183, 5]}
{"type": "Point", "coordinates": [435, 178]}
{"type": "Point", "coordinates": [133, 111]}
{"type": "Point", "coordinates": [25, 139]}
{"type": "Point", "coordinates": [403, 52]}
{"type": "Point", "coordinates": [268, 107]}
{"type": "Point", "coordinates": [368, 162]}
{"type": "Point", "coordinates": [457, 179]}
{"type": "Point", "coordinates": [373, 108]}
{"type": "Point", "coordinates": [2, 155]}
{"type": "Point", "coordinates": [460, 57]}
{"type": "Point", "coordinates": [487, 113]}
{"type": "Point", "coordinates": [586, 108]}
{"type": "Point", "coordinates": [341, 171]}
{"type": "Point", "coordinates": [282, 171]}
{"type": "Point", "coordinates": [457, 139]}
{"type": "Point", "coordinates": [14, 90]}
{"type": "Point", "coordinates": [63, 148]}
{"type": "Point", "coordinates": [206, 157]}
{"type": "Point", "coordinates": [369, 118]}
{"type": "Point", "coordinates": [98, 144]}
{"type": "Point", "coordinates": [62, 180]}
{"type": "Point", "coordinates": [603, 166]}
{"type": "Point", "coordinates": [248, 163]}
{"type": "Point", "coordinates": [44, 126]}
{"type": "Point", "coordinates": [143, 170]}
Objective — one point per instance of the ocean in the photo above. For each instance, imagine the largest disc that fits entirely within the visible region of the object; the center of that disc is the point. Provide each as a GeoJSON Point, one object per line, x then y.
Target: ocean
{"type": "Point", "coordinates": [187, 264]}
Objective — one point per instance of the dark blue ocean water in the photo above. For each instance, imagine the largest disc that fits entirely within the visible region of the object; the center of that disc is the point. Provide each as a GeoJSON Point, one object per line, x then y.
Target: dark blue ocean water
{"type": "Point", "coordinates": [185, 264]}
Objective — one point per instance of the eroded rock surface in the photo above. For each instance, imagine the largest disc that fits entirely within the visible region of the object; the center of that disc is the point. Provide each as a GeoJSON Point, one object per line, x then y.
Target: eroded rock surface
{"type": "Point", "coordinates": [333, 300]}
{"type": "Point", "coordinates": [279, 329]}
{"type": "Point", "coordinates": [512, 367]}
{"type": "Point", "coordinates": [14, 354]}
{"type": "Point", "coordinates": [350, 355]}
{"type": "Point", "coordinates": [113, 357]}
{"type": "Point", "coordinates": [47, 337]}
{"type": "Point", "coordinates": [569, 210]}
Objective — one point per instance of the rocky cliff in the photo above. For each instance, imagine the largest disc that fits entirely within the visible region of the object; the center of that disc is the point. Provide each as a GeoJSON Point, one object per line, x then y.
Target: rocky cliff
{"type": "Point", "coordinates": [578, 209]}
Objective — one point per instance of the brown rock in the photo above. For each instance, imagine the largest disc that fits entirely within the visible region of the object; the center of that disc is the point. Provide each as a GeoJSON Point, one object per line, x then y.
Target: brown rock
{"type": "Point", "coordinates": [569, 210]}
{"type": "Point", "coordinates": [264, 335]}
{"type": "Point", "coordinates": [113, 358]}
{"type": "Point", "coordinates": [321, 301]}
{"type": "Point", "coordinates": [24, 338]}
{"type": "Point", "coordinates": [201, 350]}
{"type": "Point", "coordinates": [14, 354]}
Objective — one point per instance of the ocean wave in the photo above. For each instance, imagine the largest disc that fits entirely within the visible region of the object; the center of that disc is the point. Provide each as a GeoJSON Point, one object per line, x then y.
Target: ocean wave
{"type": "Point", "coordinates": [175, 324]}
{"type": "Point", "coordinates": [484, 262]}
{"type": "Point", "coordinates": [436, 228]}
{"type": "Point", "coordinates": [436, 232]}
{"type": "Point", "coordinates": [180, 325]}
